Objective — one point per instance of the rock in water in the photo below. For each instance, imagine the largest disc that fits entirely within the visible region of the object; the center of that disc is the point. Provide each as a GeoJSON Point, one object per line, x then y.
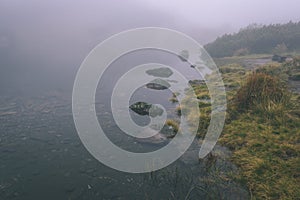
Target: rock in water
{"type": "Point", "coordinates": [160, 72]}
{"type": "Point", "coordinates": [158, 84]}
{"type": "Point", "coordinates": [141, 108]}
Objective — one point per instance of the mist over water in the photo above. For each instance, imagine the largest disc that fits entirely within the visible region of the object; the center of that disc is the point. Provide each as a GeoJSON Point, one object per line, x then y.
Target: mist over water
{"type": "Point", "coordinates": [42, 43]}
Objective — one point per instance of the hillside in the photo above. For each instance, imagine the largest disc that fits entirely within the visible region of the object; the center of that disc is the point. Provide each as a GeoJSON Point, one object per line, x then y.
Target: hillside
{"type": "Point", "coordinates": [258, 39]}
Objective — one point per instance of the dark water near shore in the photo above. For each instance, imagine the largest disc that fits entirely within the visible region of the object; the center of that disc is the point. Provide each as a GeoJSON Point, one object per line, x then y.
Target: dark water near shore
{"type": "Point", "coordinates": [42, 157]}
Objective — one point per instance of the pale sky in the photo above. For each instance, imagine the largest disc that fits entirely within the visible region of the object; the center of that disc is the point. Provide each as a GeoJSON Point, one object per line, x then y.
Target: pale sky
{"type": "Point", "coordinates": [233, 13]}
{"type": "Point", "coordinates": [69, 29]}
{"type": "Point", "coordinates": [214, 16]}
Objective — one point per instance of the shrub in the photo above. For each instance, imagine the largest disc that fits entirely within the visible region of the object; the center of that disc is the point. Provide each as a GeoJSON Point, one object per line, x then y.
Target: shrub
{"type": "Point", "coordinates": [241, 52]}
{"type": "Point", "coordinates": [262, 93]}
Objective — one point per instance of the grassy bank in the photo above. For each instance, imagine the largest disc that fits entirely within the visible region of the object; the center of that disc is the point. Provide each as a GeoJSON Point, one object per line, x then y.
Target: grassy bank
{"type": "Point", "coordinates": [262, 127]}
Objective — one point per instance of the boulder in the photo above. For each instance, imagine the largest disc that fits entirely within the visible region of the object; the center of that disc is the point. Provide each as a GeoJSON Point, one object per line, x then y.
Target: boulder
{"type": "Point", "coordinates": [163, 72]}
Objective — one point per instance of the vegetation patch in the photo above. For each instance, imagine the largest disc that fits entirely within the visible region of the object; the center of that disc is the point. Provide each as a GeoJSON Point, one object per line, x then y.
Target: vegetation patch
{"type": "Point", "coordinates": [262, 127]}
{"type": "Point", "coordinates": [263, 133]}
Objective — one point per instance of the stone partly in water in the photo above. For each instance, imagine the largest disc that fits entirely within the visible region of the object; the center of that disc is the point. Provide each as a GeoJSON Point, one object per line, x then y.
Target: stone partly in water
{"type": "Point", "coordinates": [143, 108]}
{"type": "Point", "coordinates": [160, 72]}
{"type": "Point", "coordinates": [155, 111]}
{"type": "Point", "coordinates": [278, 58]}
{"type": "Point", "coordinates": [159, 136]}
{"type": "Point", "coordinates": [158, 84]}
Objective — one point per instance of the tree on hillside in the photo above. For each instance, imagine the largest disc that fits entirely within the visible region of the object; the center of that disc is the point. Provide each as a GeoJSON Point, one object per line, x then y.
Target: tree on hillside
{"type": "Point", "coordinates": [257, 39]}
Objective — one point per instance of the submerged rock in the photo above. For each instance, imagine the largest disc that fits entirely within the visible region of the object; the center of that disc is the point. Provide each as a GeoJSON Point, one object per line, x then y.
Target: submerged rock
{"type": "Point", "coordinates": [184, 55]}
{"type": "Point", "coordinates": [160, 72]}
{"type": "Point", "coordinates": [156, 139]}
{"type": "Point", "coordinates": [158, 84]}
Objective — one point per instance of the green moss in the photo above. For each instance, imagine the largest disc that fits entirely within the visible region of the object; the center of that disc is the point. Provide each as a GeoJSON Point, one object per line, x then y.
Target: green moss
{"type": "Point", "coordinates": [269, 162]}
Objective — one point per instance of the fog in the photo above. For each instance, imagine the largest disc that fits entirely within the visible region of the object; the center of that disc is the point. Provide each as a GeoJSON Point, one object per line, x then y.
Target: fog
{"type": "Point", "coordinates": [232, 14]}
{"type": "Point", "coordinates": [42, 43]}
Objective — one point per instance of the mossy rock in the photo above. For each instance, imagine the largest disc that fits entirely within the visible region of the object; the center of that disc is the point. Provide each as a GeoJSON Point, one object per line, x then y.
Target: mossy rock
{"type": "Point", "coordinates": [143, 108]}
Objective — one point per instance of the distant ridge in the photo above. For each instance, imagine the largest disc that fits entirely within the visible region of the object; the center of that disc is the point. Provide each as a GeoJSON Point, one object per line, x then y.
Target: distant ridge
{"type": "Point", "coordinates": [257, 39]}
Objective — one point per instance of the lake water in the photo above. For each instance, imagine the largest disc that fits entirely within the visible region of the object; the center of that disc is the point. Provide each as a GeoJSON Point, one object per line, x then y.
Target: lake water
{"type": "Point", "coordinates": [42, 157]}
